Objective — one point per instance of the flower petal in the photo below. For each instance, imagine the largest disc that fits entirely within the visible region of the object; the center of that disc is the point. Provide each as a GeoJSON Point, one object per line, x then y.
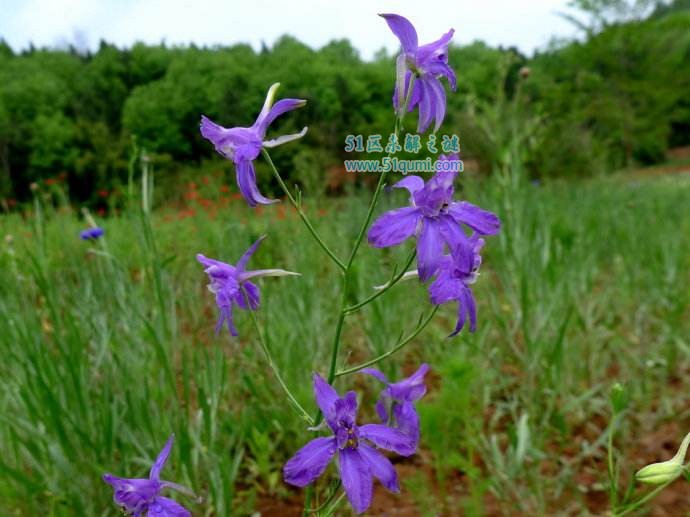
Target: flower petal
{"type": "Point", "coordinates": [310, 461]}
{"type": "Point", "coordinates": [164, 507]}
{"type": "Point", "coordinates": [471, 308]}
{"type": "Point", "coordinates": [244, 259]}
{"type": "Point", "coordinates": [400, 92]}
{"type": "Point", "coordinates": [441, 69]}
{"type": "Point", "coordinates": [213, 265]}
{"type": "Point", "coordinates": [378, 374]}
{"type": "Point", "coordinates": [356, 478]}
{"type": "Point", "coordinates": [237, 143]}
{"type": "Point", "coordinates": [466, 308]}
{"type": "Point", "coordinates": [439, 101]}
{"type": "Point", "coordinates": [412, 388]}
{"type": "Point", "coordinates": [325, 396]}
{"type": "Point", "coordinates": [213, 132]}
{"type": "Point", "coordinates": [436, 50]}
{"type": "Point", "coordinates": [407, 421]}
{"type": "Point", "coordinates": [404, 30]}
{"type": "Point", "coordinates": [387, 438]}
{"type": "Point", "coordinates": [380, 467]}
{"type": "Point", "coordinates": [246, 181]}
{"type": "Point", "coordinates": [268, 102]}
{"type": "Point", "coordinates": [91, 233]}
{"type": "Point", "coordinates": [458, 242]}
{"type": "Point", "coordinates": [258, 273]}
{"type": "Point", "coordinates": [401, 67]}
{"type": "Point", "coordinates": [226, 317]}
{"type": "Point", "coordinates": [426, 106]}
{"type": "Point", "coordinates": [133, 494]}
{"type": "Point", "coordinates": [248, 291]}
{"type": "Point", "coordinates": [415, 97]}
{"type": "Point", "coordinates": [381, 411]}
{"type": "Point", "coordinates": [429, 249]}
{"type": "Point", "coordinates": [480, 220]}
{"type": "Point", "coordinates": [411, 183]}
{"type": "Point", "coordinates": [393, 227]}
{"type": "Point", "coordinates": [279, 108]}
{"type": "Point", "coordinates": [445, 288]}
{"type": "Point", "coordinates": [179, 488]}
{"type": "Point", "coordinates": [284, 139]}
{"type": "Point", "coordinates": [161, 459]}
{"type": "Point", "coordinates": [346, 407]}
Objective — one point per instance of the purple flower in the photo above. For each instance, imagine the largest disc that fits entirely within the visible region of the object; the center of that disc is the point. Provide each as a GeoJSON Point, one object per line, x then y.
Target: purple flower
{"type": "Point", "coordinates": [232, 287]}
{"type": "Point", "coordinates": [91, 233]}
{"type": "Point", "coordinates": [141, 497]}
{"type": "Point", "coordinates": [428, 63]}
{"type": "Point", "coordinates": [453, 281]}
{"type": "Point", "coordinates": [396, 403]}
{"type": "Point", "coordinates": [359, 462]}
{"type": "Point", "coordinates": [242, 145]}
{"type": "Point", "coordinates": [435, 219]}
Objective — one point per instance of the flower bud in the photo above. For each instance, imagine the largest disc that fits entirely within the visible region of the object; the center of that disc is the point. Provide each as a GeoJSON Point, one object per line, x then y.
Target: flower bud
{"type": "Point", "coordinates": [618, 398]}
{"type": "Point", "coordinates": [665, 471]}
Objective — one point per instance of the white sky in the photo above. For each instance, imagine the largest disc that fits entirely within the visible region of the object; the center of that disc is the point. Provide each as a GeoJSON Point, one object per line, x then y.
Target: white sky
{"type": "Point", "coordinates": [527, 24]}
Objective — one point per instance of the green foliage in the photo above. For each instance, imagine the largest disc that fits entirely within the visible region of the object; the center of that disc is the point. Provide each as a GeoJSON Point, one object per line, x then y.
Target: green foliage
{"type": "Point", "coordinates": [611, 100]}
{"type": "Point", "coordinates": [108, 347]}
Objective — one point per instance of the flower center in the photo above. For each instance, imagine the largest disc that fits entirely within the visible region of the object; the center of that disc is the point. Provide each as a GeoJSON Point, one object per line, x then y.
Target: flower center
{"type": "Point", "coordinates": [352, 440]}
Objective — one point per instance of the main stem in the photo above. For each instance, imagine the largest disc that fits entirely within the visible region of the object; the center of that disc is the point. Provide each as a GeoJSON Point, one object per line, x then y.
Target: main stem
{"type": "Point", "coordinates": [342, 313]}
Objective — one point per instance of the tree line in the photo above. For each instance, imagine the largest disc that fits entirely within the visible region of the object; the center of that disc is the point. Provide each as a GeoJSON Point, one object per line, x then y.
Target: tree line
{"type": "Point", "coordinates": [613, 98]}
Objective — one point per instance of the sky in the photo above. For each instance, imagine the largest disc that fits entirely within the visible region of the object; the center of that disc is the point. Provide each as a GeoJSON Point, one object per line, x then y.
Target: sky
{"type": "Point", "coordinates": [527, 24]}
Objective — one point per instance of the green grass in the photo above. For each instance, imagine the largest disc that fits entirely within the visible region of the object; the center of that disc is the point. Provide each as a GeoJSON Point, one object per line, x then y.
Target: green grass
{"type": "Point", "coordinates": [107, 348]}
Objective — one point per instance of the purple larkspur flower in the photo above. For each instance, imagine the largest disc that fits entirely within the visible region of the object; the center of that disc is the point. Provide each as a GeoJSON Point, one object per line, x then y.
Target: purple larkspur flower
{"type": "Point", "coordinates": [141, 497]}
{"type": "Point", "coordinates": [232, 286]}
{"type": "Point", "coordinates": [435, 219]}
{"type": "Point", "coordinates": [242, 145]}
{"type": "Point", "coordinates": [428, 63]}
{"type": "Point", "coordinates": [91, 234]}
{"type": "Point", "coordinates": [395, 406]}
{"type": "Point", "coordinates": [359, 461]}
{"type": "Point", "coordinates": [453, 284]}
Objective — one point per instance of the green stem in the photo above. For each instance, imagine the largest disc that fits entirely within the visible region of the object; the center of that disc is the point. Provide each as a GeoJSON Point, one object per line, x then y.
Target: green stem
{"type": "Point", "coordinates": [396, 278]}
{"type": "Point", "coordinates": [328, 499]}
{"type": "Point", "coordinates": [335, 504]}
{"type": "Point", "coordinates": [613, 482]}
{"type": "Point", "coordinates": [301, 213]}
{"type": "Point", "coordinates": [353, 254]}
{"type": "Point", "coordinates": [273, 367]}
{"type": "Point", "coordinates": [393, 350]}
{"type": "Point", "coordinates": [651, 495]}
{"type": "Point", "coordinates": [382, 178]}
{"type": "Point", "coordinates": [372, 205]}
{"type": "Point", "coordinates": [345, 268]}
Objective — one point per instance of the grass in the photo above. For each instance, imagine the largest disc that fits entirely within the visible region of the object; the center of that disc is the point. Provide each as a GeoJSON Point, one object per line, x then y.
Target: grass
{"type": "Point", "coordinates": [108, 347]}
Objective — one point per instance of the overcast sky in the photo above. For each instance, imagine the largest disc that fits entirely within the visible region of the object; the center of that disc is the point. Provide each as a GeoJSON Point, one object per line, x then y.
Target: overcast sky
{"type": "Point", "coordinates": [526, 24]}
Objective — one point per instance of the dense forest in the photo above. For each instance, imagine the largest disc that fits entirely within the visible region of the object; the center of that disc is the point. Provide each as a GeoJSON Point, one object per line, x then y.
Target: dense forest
{"type": "Point", "coordinates": [615, 97]}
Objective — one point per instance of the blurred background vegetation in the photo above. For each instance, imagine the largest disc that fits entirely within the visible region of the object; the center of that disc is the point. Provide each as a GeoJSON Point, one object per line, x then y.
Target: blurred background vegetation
{"type": "Point", "coordinates": [615, 97]}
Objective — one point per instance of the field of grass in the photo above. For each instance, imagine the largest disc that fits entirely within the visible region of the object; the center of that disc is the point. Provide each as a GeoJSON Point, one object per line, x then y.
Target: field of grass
{"type": "Point", "coordinates": [108, 347]}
